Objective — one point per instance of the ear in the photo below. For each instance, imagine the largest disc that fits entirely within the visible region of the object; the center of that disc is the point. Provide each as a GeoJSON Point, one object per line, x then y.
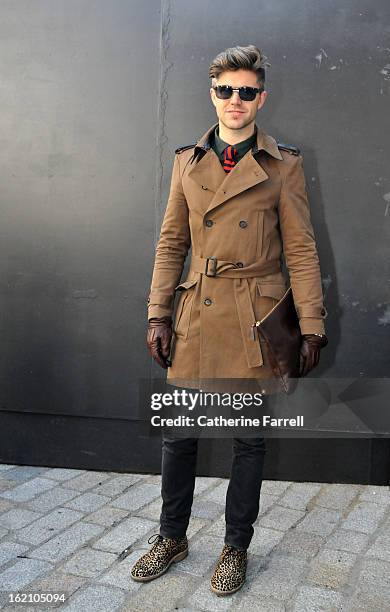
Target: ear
{"type": "Point", "coordinates": [212, 95]}
{"type": "Point", "coordinates": [262, 99]}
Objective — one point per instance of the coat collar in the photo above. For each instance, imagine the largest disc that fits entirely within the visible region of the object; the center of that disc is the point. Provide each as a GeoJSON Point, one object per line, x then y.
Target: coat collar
{"type": "Point", "coordinates": [263, 142]}
{"type": "Point", "coordinates": [208, 172]}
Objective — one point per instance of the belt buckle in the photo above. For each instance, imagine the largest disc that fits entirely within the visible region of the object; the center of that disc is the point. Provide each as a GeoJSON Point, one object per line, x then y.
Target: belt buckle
{"type": "Point", "coordinates": [214, 266]}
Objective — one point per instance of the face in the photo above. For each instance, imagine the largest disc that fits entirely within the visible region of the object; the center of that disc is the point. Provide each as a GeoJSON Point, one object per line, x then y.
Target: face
{"type": "Point", "coordinates": [235, 113]}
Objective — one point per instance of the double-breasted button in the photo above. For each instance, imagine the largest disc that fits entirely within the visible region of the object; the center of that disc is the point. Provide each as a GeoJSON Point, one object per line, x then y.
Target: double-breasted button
{"type": "Point", "coordinates": [207, 302]}
{"type": "Point", "coordinates": [323, 311]}
{"type": "Point", "coordinates": [243, 223]}
{"type": "Point", "coordinates": [239, 264]}
{"type": "Point", "coordinates": [209, 222]}
{"type": "Point", "coordinates": [204, 187]}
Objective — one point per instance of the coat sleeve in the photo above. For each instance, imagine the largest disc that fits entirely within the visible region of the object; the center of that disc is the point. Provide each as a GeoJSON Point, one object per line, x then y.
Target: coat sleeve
{"type": "Point", "coordinates": [299, 247]}
{"type": "Point", "coordinates": [171, 250]}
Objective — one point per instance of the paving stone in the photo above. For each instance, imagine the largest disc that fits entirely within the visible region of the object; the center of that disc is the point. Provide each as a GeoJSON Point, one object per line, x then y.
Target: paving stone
{"type": "Point", "coordinates": [280, 577]}
{"type": "Point", "coordinates": [331, 569]}
{"type": "Point", "coordinates": [216, 486]}
{"type": "Point", "coordinates": [266, 502]}
{"type": "Point", "coordinates": [259, 605]}
{"type": "Point", "coordinates": [380, 548]}
{"type": "Point", "coordinates": [96, 598]}
{"type": "Point", "coordinates": [299, 494]}
{"type": "Point", "coordinates": [57, 582]}
{"type": "Point", "coordinates": [337, 496]}
{"type": "Point", "coordinates": [160, 595]}
{"type": "Point", "coordinates": [280, 518]}
{"type": "Point", "coordinates": [195, 525]}
{"type": "Point", "coordinates": [87, 480]}
{"type": "Point", "coordinates": [374, 571]}
{"type": "Point", "coordinates": [24, 472]}
{"type": "Point", "coordinates": [4, 467]}
{"type": "Point", "coordinates": [350, 541]}
{"type": "Point", "coordinates": [300, 543]}
{"type": "Point", "coordinates": [6, 485]}
{"type": "Point", "coordinates": [119, 574]}
{"type": "Point", "coordinates": [217, 527]}
{"type": "Point", "coordinates": [17, 518]}
{"type": "Point", "coordinates": [5, 505]}
{"type": "Point", "coordinates": [204, 553]}
{"type": "Point", "coordinates": [264, 540]}
{"type": "Point", "coordinates": [378, 495]}
{"type": "Point", "coordinates": [206, 509]}
{"type": "Point", "coordinates": [28, 490]}
{"type": "Point", "coordinates": [319, 520]}
{"type": "Point", "coordinates": [316, 599]}
{"type": "Point", "coordinates": [369, 598]}
{"type": "Point", "coordinates": [46, 526]}
{"type": "Point", "coordinates": [275, 487]}
{"type": "Point", "coordinates": [63, 474]}
{"type": "Point", "coordinates": [22, 573]}
{"type": "Point", "coordinates": [67, 542]}
{"type": "Point", "coordinates": [364, 517]}
{"type": "Point", "coordinates": [124, 534]}
{"type": "Point", "coordinates": [117, 485]}
{"type": "Point", "coordinates": [153, 479]}
{"type": "Point", "coordinates": [88, 502]}
{"type": "Point", "coordinates": [51, 499]}
{"type": "Point", "coordinates": [311, 560]}
{"type": "Point", "coordinates": [187, 609]}
{"type": "Point", "coordinates": [204, 599]}
{"type": "Point", "coordinates": [137, 496]}
{"type": "Point", "coordinates": [10, 550]}
{"type": "Point", "coordinates": [151, 511]}
{"type": "Point", "coordinates": [107, 516]}
{"type": "Point", "coordinates": [88, 562]}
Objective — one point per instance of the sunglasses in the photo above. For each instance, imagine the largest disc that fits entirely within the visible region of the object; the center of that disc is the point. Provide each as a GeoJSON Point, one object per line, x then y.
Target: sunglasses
{"type": "Point", "coordinates": [224, 92]}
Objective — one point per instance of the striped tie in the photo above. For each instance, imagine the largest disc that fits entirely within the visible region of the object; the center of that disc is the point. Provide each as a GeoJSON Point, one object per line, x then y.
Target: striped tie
{"type": "Point", "coordinates": [228, 158]}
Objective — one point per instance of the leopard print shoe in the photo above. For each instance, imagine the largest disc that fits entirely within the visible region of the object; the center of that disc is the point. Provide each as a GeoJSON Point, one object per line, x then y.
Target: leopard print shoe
{"type": "Point", "coordinates": [229, 574]}
{"type": "Point", "coordinates": [158, 559]}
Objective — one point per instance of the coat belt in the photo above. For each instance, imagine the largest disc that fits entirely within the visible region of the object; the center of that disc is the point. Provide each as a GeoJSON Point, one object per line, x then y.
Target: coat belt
{"type": "Point", "coordinates": [211, 266]}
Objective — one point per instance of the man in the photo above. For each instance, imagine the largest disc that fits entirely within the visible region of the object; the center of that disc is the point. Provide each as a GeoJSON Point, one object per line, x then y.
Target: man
{"type": "Point", "coordinates": [239, 199]}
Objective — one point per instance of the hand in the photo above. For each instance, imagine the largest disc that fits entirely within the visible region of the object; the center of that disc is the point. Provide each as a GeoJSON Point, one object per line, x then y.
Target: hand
{"type": "Point", "coordinates": [158, 339]}
{"type": "Point", "coordinates": [310, 352]}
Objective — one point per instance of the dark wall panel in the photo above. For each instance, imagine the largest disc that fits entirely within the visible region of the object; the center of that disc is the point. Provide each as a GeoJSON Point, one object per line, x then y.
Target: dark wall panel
{"type": "Point", "coordinates": [329, 94]}
{"type": "Point", "coordinates": [80, 90]}
{"type": "Point", "coordinates": [95, 97]}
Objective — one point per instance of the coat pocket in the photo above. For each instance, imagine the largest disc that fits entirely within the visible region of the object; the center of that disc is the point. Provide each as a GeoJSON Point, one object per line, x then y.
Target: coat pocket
{"type": "Point", "coordinates": [267, 296]}
{"type": "Point", "coordinates": [184, 307]}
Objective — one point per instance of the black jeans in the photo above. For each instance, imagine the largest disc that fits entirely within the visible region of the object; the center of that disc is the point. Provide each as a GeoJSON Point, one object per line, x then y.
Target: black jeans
{"type": "Point", "coordinates": [179, 457]}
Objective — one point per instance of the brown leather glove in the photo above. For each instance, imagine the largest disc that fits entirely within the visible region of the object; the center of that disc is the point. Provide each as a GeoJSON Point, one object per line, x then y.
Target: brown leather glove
{"type": "Point", "coordinates": [158, 339]}
{"type": "Point", "coordinates": [310, 352]}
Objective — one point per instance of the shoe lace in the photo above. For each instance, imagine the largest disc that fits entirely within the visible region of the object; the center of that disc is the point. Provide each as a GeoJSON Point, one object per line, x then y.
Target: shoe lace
{"type": "Point", "coordinates": [157, 538]}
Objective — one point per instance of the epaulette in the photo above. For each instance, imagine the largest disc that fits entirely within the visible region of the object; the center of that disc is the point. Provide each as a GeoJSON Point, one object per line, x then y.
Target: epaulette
{"type": "Point", "coordinates": [180, 149]}
{"type": "Point", "coordinates": [290, 148]}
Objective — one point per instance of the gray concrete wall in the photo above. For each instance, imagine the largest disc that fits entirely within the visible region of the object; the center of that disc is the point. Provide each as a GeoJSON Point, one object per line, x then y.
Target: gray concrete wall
{"type": "Point", "coordinates": [79, 158]}
{"type": "Point", "coordinates": [95, 96]}
{"type": "Point", "coordinates": [329, 88]}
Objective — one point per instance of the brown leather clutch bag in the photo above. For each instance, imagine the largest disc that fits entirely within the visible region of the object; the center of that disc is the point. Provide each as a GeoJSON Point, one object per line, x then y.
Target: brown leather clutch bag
{"type": "Point", "coordinates": [282, 334]}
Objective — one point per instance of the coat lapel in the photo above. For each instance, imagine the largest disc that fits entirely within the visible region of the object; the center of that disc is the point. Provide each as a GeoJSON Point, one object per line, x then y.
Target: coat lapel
{"type": "Point", "coordinates": [208, 171]}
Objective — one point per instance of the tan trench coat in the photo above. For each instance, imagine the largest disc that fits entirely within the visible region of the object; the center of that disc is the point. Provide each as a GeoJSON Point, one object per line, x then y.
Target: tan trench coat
{"type": "Point", "coordinates": [244, 219]}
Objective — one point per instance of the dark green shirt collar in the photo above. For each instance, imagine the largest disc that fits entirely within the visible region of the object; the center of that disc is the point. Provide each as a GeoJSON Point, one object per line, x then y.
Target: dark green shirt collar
{"type": "Point", "coordinates": [242, 147]}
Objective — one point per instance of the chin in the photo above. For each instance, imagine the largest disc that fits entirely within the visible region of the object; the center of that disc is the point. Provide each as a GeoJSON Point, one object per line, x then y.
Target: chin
{"type": "Point", "coordinates": [235, 123]}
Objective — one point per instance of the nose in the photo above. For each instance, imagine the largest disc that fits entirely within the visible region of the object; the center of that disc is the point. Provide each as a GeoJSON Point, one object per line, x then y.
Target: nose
{"type": "Point", "coordinates": [235, 98]}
